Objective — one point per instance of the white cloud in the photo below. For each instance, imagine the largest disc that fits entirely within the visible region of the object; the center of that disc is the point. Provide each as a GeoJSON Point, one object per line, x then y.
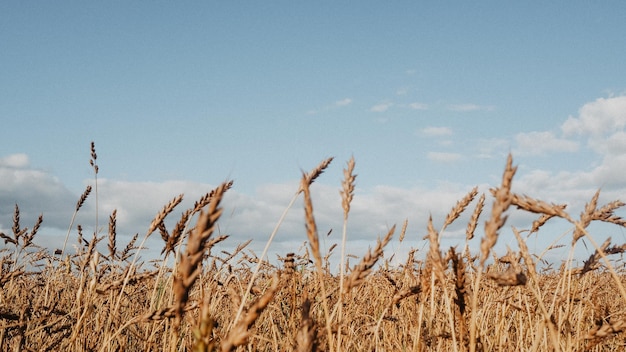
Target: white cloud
{"type": "Point", "coordinates": [443, 157]}
{"type": "Point", "coordinates": [539, 143]}
{"type": "Point", "coordinates": [244, 217]}
{"type": "Point", "coordinates": [602, 122]}
{"type": "Point", "coordinates": [436, 131]}
{"type": "Point", "coordinates": [382, 107]}
{"type": "Point", "coordinates": [470, 107]}
{"type": "Point", "coordinates": [598, 117]}
{"type": "Point", "coordinates": [34, 192]}
{"type": "Point", "coordinates": [490, 148]}
{"type": "Point", "coordinates": [402, 91]}
{"type": "Point", "coordinates": [374, 210]}
{"type": "Point", "coordinates": [17, 161]}
{"type": "Point", "coordinates": [382, 120]}
{"type": "Point", "coordinates": [336, 105]}
{"type": "Point", "coordinates": [616, 143]}
{"type": "Point", "coordinates": [418, 106]}
{"type": "Point", "coordinates": [343, 102]}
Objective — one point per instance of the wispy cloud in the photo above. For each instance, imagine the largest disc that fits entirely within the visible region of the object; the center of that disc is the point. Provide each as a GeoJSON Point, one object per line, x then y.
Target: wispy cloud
{"type": "Point", "coordinates": [343, 102]}
{"type": "Point", "coordinates": [489, 148]}
{"type": "Point", "coordinates": [470, 107]}
{"type": "Point", "coordinates": [15, 161]}
{"type": "Point", "coordinates": [443, 157]}
{"type": "Point", "coordinates": [540, 143]}
{"type": "Point", "coordinates": [436, 131]}
{"type": "Point", "coordinates": [382, 107]}
{"type": "Point", "coordinates": [336, 105]}
{"type": "Point", "coordinates": [418, 106]}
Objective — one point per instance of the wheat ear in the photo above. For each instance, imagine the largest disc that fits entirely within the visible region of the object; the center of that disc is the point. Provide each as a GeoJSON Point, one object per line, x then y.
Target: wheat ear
{"type": "Point", "coordinates": [347, 193]}
{"type": "Point", "coordinates": [198, 243]}
{"type": "Point", "coordinates": [501, 203]}
{"type": "Point", "coordinates": [459, 208]}
{"type": "Point", "coordinates": [313, 236]}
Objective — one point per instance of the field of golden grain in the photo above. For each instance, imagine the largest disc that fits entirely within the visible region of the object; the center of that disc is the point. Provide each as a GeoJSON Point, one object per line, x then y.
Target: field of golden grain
{"type": "Point", "coordinates": [100, 297]}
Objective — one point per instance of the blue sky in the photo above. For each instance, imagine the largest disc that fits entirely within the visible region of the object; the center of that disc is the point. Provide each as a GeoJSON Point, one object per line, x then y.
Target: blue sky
{"type": "Point", "coordinates": [428, 97]}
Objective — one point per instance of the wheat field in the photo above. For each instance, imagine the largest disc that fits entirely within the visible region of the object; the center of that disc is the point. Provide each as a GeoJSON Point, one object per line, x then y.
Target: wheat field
{"type": "Point", "coordinates": [99, 296]}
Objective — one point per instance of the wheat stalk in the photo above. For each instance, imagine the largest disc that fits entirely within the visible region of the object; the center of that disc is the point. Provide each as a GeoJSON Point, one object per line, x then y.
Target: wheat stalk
{"type": "Point", "coordinates": [501, 203]}
{"type": "Point", "coordinates": [313, 236]}
{"type": "Point", "coordinates": [311, 176]}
